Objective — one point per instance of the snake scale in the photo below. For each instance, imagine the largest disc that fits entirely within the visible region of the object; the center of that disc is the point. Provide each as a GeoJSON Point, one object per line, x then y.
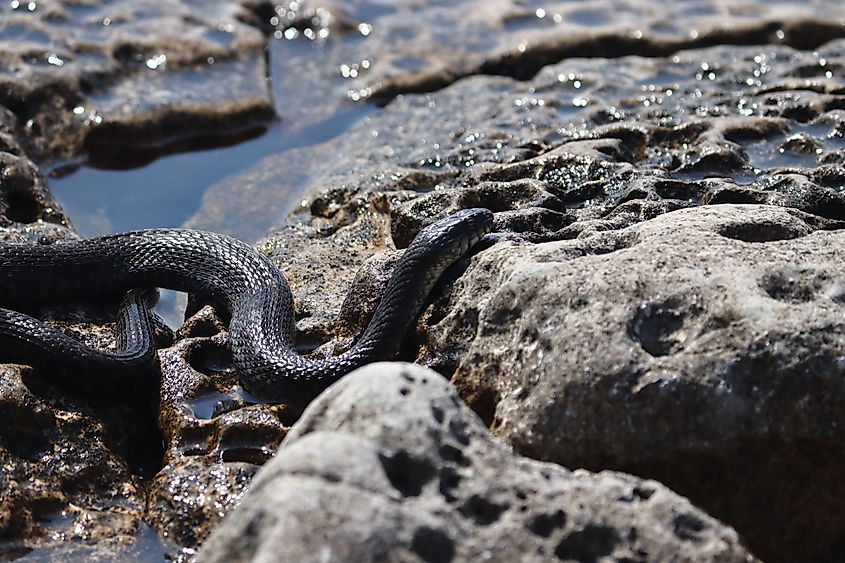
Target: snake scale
{"type": "Point", "coordinates": [247, 284]}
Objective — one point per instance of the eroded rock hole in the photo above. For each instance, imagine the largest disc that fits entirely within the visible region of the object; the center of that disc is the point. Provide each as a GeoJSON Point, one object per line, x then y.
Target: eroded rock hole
{"type": "Point", "coordinates": [255, 456]}
{"type": "Point", "coordinates": [432, 545]}
{"type": "Point", "coordinates": [688, 526]}
{"type": "Point", "coordinates": [454, 455]}
{"type": "Point", "coordinates": [449, 481]}
{"type": "Point", "coordinates": [765, 231]}
{"type": "Point", "coordinates": [407, 474]}
{"type": "Point", "coordinates": [26, 443]}
{"type": "Point", "coordinates": [659, 327]}
{"type": "Point", "coordinates": [483, 511]}
{"type": "Point", "coordinates": [23, 207]}
{"type": "Point", "coordinates": [643, 493]}
{"type": "Point", "coordinates": [590, 544]}
{"type": "Point", "coordinates": [51, 514]}
{"type": "Point", "coordinates": [211, 358]}
{"type": "Point", "coordinates": [459, 430]}
{"type": "Point", "coordinates": [438, 415]}
{"type": "Point", "coordinates": [791, 288]}
{"type": "Point", "coordinates": [126, 412]}
{"type": "Point", "coordinates": [544, 524]}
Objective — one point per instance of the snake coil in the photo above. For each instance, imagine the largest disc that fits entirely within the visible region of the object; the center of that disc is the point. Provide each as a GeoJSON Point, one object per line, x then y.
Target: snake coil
{"type": "Point", "coordinates": [246, 283]}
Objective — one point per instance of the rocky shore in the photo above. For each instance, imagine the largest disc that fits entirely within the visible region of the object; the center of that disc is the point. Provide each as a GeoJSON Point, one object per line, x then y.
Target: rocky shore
{"type": "Point", "coordinates": [646, 365]}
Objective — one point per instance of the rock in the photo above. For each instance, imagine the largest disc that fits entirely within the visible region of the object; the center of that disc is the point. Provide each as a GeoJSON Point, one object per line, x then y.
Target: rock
{"type": "Point", "coordinates": [704, 348]}
{"type": "Point", "coordinates": [215, 440]}
{"type": "Point", "coordinates": [408, 47]}
{"type": "Point", "coordinates": [532, 92]}
{"type": "Point", "coordinates": [106, 77]}
{"type": "Point", "coordinates": [654, 135]}
{"type": "Point", "coordinates": [112, 78]}
{"type": "Point", "coordinates": [560, 151]}
{"type": "Point", "coordinates": [72, 474]}
{"type": "Point", "coordinates": [390, 465]}
{"type": "Point", "coordinates": [25, 198]}
{"type": "Point", "coordinates": [710, 126]}
{"type": "Point", "coordinates": [593, 134]}
{"type": "Point", "coordinates": [580, 153]}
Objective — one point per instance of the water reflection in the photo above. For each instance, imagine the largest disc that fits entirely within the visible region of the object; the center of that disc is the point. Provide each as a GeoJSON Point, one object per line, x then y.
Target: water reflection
{"type": "Point", "coordinates": [164, 193]}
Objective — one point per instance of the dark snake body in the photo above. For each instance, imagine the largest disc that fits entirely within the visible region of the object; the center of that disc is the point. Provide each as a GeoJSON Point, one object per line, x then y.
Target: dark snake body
{"type": "Point", "coordinates": [246, 283]}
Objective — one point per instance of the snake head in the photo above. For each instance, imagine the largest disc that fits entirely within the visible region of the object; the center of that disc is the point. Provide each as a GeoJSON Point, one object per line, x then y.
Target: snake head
{"type": "Point", "coordinates": [451, 237]}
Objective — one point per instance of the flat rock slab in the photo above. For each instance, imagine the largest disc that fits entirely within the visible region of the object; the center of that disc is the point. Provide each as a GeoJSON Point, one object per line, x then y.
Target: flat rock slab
{"type": "Point", "coordinates": [108, 76]}
{"type": "Point", "coordinates": [409, 46]}
{"type": "Point", "coordinates": [705, 348]}
{"type": "Point", "coordinates": [389, 465]}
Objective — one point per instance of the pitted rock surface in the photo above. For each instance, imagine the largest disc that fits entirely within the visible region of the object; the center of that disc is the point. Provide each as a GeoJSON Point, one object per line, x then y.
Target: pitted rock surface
{"type": "Point", "coordinates": [585, 146]}
{"type": "Point", "coordinates": [389, 465]}
{"type": "Point", "coordinates": [580, 153]}
{"type": "Point", "coordinates": [215, 440]}
{"type": "Point", "coordinates": [85, 471]}
{"type": "Point", "coordinates": [104, 78]}
{"type": "Point", "coordinates": [704, 348]}
{"type": "Point", "coordinates": [326, 51]}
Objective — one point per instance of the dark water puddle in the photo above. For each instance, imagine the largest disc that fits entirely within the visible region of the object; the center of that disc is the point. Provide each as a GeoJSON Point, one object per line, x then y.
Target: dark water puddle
{"type": "Point", "coordinates": [211, 405]}
{"type": "Point", "coordinates": [164, 193]}
{"type": "Point", "coordinates": [168, 191]}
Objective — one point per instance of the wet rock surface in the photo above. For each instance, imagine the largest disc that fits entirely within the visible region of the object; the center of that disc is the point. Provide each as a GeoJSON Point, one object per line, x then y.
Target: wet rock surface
{"type": "Point", "coordinates": [586, 153]}
{"type": "Point", "coordinates": [720, 125]}
{"type": "Point", "coordinates": [390, 465]}
{"type": "Point", "coordinates": [86, 473]}
{"type": "Point", "coordinates": [415, 46]}
{"type": "Point", "coordinates": [379, 51]}
{"type": "Point", "coordinates": [586, 146]}
{"type": "Point", "coordinates": [72, 472]}
{"type": "Point", "coordinates": [109, 77]}
{"type": "Point", "coordinates": [96, 468]}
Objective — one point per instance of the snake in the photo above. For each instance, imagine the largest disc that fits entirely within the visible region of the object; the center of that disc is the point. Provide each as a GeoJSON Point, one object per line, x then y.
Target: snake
{"type": "Point", "coordinates": [252, 291]}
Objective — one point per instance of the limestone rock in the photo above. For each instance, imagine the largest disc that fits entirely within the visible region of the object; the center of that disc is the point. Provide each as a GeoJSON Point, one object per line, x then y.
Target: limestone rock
{"type": "Point", "coordinates": [389, 465]}
{"type": "Point", "coordinates": [581, 152]}
{"type": "Point", "coordinates": [704, 348]}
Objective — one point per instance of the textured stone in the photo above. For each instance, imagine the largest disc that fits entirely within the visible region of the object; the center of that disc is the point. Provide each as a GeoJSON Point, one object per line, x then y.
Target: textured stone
{"type": "Point", "coordinates": [653, 135]}
{"type": "Point", "coordinates": [109, 79]}
{"type": "Point", "coordinates": [585, 146]}
{"type": "Point", "coordinates": [704, 348]}
{"type": "Point", "coordinates": [389, 465]}
{"type": "Point", "coordinates": [330, 50]}
{"type": "Point", "coordinates": [414, 46]}
{"type": "Point", "coordinates": [579, 153]}
{"type": "Point", "coordinates": [71, 473]}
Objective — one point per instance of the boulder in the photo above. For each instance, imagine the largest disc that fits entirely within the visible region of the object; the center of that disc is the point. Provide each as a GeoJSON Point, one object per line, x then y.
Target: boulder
{"type": "Point", "coordinates": [704, 348]}
{"type": "Point", "coordinates": [389, 465]}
